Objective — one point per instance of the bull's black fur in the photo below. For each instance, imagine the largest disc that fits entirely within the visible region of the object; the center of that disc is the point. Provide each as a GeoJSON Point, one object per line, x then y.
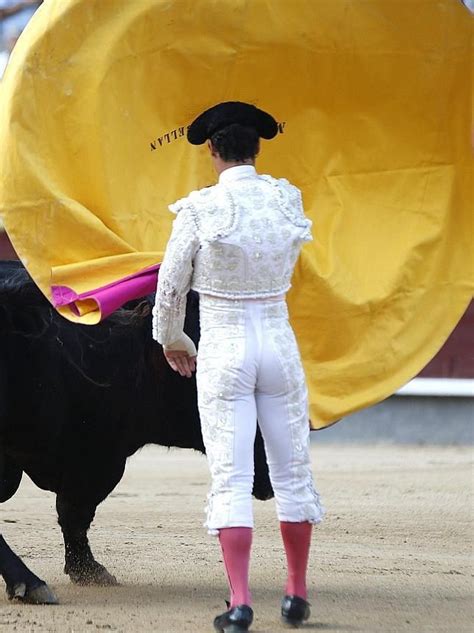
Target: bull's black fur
{"type": "Point", "coordinates": [76, 401]}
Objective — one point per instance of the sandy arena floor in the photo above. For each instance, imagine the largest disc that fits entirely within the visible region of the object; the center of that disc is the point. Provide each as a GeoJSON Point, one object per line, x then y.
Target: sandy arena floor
{"type": "Point", "coordinates": [393, 555]}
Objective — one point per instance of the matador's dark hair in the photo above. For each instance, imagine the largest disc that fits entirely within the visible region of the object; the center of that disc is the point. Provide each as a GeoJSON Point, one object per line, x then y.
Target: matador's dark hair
{"type": "Point", "coordinates": [236, 142]}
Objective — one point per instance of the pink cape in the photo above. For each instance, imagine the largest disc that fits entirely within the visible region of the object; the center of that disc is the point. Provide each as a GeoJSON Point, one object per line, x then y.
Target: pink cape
{"type": "Point", "coordinates": [110, 297]}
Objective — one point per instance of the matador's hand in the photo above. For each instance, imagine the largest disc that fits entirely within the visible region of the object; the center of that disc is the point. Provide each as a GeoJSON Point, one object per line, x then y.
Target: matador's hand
{"type": "Point", "coordinates": [181, 362]}
{"type": "Point", "coordinates": [181, 355]}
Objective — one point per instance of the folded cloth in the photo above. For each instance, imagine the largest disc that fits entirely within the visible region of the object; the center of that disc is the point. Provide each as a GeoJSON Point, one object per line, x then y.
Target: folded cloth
{"type": "Point", "coordinates": [183, 344]}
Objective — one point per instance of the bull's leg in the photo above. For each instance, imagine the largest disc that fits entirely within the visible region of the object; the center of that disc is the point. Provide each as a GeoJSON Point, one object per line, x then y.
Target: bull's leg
{"type": "Point", "coordinates": [262, 487]}
{"type": "Point", "coordinates": [81, 566]}
{"type": "Point", "coordinates": [22, 584]}
{"type": "Point", "coordinates": [10, 477]}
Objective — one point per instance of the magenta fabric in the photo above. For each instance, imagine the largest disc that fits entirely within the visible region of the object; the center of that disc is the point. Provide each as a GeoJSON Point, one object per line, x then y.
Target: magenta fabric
{"type": "Point", "coordinates": [297, 540]}
{"type": "Point", "coordinates": [112, 296]}
{"type": "Point", "coordinates": [236, 543]}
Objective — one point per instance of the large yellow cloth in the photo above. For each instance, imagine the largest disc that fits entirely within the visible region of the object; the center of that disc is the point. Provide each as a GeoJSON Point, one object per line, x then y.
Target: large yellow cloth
{"type": "Point", "coordinates": [373, 99]}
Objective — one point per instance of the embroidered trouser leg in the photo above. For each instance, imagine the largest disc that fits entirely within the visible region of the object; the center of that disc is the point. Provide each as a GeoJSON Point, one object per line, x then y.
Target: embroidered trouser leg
{"type": "Point", "coordinates": [249, 365]}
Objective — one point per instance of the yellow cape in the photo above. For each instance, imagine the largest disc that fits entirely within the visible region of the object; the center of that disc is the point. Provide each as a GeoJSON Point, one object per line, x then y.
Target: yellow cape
{"type": "Point", "coordinates": [373, 99]}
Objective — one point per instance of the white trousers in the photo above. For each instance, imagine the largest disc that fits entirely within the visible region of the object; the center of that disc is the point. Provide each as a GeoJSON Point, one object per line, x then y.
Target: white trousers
{"type": "Point", "coordinates": [249, 367]}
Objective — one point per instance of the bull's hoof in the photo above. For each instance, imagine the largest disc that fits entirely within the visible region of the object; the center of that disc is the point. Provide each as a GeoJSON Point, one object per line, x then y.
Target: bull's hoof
{"type": "Point", "coordinates": [41, 594]}
{"type": "Point", "coordinates": [92, 574]}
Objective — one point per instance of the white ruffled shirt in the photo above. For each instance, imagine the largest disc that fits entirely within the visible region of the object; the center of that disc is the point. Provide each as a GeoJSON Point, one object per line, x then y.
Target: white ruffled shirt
{"type": "Point", "coordinates": [238, 239]}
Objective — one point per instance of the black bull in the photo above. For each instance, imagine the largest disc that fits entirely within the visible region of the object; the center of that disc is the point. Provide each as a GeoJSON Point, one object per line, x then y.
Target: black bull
{"type": "Point", "coordinates": [75, 402]}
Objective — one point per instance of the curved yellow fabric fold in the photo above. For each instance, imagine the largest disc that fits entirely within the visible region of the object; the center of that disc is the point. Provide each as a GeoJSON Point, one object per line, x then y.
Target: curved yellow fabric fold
{"type": "Point", "coordinates": [374, 104]}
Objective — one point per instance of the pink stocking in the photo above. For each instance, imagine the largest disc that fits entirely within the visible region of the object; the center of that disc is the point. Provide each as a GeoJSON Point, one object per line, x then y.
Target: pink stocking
{"type": "Point", "coordinates": [236, 543]}
{"type": "Point", "coordinates": [296, 539]}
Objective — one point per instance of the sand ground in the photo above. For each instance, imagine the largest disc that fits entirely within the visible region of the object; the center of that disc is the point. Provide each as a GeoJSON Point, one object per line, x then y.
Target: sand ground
{"type": "Point", "coordinates": [393, 555]}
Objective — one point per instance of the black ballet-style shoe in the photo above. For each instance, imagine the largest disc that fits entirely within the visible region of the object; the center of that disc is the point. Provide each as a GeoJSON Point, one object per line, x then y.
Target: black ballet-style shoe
{"type": "Point", "coordinates": [234, 620]}
{"type": "Point", "coordinates": [294, 611]}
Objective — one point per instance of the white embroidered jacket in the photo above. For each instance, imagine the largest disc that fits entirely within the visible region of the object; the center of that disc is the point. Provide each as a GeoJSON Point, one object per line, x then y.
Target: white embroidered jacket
{"type": "Point", "coordinates": [238, 239]}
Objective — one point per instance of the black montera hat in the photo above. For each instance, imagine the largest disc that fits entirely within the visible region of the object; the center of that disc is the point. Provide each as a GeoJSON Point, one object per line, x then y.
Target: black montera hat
{"type": "Point", "coordinates": [224, 114]}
